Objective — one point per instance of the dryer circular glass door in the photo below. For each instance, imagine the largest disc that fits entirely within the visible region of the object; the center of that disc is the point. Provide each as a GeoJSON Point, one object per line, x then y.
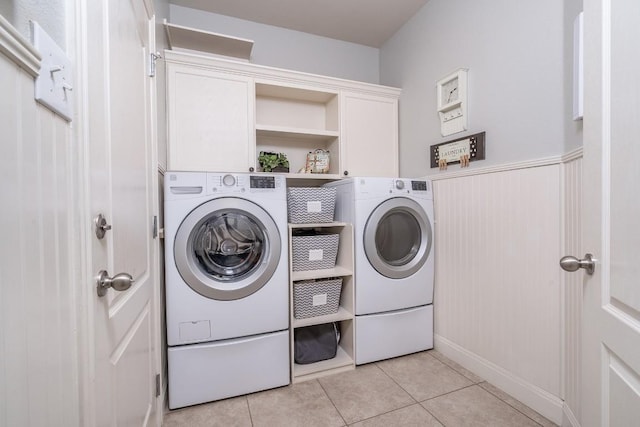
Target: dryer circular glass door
{"type": "Point", "coordinates": [397, 238]}
{"type": "Point", "coordinates": [227, 248]}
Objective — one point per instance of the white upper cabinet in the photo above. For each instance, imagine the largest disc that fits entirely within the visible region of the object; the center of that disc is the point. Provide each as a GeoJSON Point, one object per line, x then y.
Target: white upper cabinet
{"type": "Point", "coordinates": [222, 114]}
{"type": "Point", "coordinates": [211, 118]}
{"type": "Point", "coordinates": [369, 135]}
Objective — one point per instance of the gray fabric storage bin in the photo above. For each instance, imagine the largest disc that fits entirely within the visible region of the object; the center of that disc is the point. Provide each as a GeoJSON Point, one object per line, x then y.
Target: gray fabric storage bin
{"type": "Point", "coordinates": [316, 297]}
{"type": "Point", "coordinates": [314, 343]}
{"type": "Point", "coordinates": [307, 205]}
{"type": "Point", "coordinates": [314, 252]}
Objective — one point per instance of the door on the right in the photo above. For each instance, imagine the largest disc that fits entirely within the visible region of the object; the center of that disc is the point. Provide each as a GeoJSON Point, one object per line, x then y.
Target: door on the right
{"type": "Point", "coordinates": [611, 208]}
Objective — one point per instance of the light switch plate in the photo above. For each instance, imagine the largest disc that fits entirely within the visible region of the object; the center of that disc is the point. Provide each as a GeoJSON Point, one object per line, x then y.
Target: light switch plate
{"type": "Point", "coordinates": [54, 84]}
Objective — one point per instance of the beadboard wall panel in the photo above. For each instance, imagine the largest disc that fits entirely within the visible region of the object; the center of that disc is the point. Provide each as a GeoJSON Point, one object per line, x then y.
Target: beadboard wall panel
{"type": "Point", "coordinates": [497, 295]}
{"type": "Point", "coordinates": [572, 285]}
{"type": "Point", "coordinates": [38, 259]}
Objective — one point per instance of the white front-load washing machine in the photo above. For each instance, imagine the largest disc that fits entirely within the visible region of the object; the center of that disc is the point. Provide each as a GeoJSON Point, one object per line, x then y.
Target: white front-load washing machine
{"type": "Point", "coordinates": [226, 263]}
{"type": "Point", "coordinates": [394, 263]}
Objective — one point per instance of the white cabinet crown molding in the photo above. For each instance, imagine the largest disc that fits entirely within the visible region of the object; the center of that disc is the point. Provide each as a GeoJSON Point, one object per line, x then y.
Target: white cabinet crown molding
{"type": "Point", "coordinates": [286, 77]}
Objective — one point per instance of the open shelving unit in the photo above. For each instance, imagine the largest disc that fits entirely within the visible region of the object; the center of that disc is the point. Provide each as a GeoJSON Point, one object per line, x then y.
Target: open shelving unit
{"type": "Point", "coordinates": [295, 121]}
{"type": "Point", "coordinates": [345, 357]}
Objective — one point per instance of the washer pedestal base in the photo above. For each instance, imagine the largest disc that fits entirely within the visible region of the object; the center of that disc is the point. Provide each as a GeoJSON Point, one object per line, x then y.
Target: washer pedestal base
{"type": "Point", "coordinates": [216, 370]}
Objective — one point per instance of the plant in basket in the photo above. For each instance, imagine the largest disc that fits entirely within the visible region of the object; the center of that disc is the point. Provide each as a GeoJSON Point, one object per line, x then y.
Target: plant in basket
{"type": "Point", "coordinates": [273, 162]}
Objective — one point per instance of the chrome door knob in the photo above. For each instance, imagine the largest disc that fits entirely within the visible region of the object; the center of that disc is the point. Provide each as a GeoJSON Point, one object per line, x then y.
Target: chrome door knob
{"type": "Point", "coordinates": [571, 263]}
{"type": "Point", "coordinates": [119, 282]}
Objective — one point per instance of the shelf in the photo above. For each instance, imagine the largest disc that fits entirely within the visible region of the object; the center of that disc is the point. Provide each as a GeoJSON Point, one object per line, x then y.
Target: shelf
{"type": "Point", "coordinates": [316, 135]}
{"type": "Point", "coordinates": [324, 176]}
{"type": "Point", "coordinates": [337, 271]}
{"type": "Point", "coordinates": [204, 41]}
{"type": "Point", "coordinates": [309, 176]}
{"type": "Point", "coordinates": [318, 225]}
{"type": "Point", "coordinates": [342, 314]}
{"type": "Point", "coordinates": [342, 360]}
{"type": "Point", "coordinates": [272, 90]}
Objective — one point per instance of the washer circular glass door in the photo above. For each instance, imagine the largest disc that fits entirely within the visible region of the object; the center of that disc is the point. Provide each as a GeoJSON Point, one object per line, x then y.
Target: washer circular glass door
{"type": "Point", "coordinates": [227, 248]}
{"type": "Point", "coordinates": [397, 238]}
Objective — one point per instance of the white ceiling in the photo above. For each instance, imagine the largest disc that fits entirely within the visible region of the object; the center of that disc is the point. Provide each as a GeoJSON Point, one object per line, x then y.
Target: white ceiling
{"type": "Point", "coordinates": [366, 22]}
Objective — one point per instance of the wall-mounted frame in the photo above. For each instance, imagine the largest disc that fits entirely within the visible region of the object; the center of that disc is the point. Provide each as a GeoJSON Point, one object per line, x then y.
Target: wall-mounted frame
{"type": "Point", "coordinates": [452, 102]}
{"type": "Point", "coordinates": [451, 151]}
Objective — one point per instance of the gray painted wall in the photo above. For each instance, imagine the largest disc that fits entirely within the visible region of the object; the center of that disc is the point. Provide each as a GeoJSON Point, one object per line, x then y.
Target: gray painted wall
{"type": "Point", "coordinates": [293, 50]}
{"type": "Point", "coordinates": [519, 84]}
{"type": "Point", "coordinates": [572, 129]}
{"type": "Point", "coordinates": [50, 14]}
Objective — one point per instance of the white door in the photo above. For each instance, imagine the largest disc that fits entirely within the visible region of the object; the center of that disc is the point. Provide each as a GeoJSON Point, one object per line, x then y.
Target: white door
{"type": "Point", "coordinates": [122, 182]}
{"type": "Point", "coordinates": [611, 327]}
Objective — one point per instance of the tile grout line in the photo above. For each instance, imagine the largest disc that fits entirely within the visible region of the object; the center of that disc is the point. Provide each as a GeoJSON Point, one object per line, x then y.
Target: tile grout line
{"type": "Point", "coordinates": [436, 397]}
{"type": "Point", "coordinates": [446, 359]}
{"type": "Point", "coordinates": [414, 399]}
{"type": "Point", "coordinates": [246, 398]}
{"type": "Point", "coordinates": [451, 364]}
{"type": "Point", "coordinates": [449, 392]}
{"type": "Point", "coordinates": [396, 383]}
{"type": "Point", "coordinates": [502, 400]}
{"type": "Point", "coordinates": [331, 400]}
{"type": "Point", "coordinates": [385, 413]}
{"type": "Point", "coordinates": [443, 394]}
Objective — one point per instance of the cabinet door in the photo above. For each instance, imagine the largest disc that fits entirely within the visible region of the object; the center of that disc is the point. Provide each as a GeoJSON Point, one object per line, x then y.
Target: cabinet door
{"type": "Point", "coordinates": [369, 135]}
{"type": "Point", "coordinates": [210, 120]}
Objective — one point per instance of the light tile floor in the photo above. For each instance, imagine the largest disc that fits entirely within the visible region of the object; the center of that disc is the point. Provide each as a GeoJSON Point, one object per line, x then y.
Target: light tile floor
{"type": "Point", "coordinates": [422, 389]}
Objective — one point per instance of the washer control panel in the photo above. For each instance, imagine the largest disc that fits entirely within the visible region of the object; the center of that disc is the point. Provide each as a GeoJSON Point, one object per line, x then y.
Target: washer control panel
{"type": "Point", "coordinates": [229, 180]}
{"type": "Point", "coordinates": [262, 181]}
{"type": "Point", "coordinates": [240, 183]}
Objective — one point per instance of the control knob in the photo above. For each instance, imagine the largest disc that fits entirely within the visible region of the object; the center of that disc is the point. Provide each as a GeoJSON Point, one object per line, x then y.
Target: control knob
{"type": "Point", "coordinates": [229, 180]}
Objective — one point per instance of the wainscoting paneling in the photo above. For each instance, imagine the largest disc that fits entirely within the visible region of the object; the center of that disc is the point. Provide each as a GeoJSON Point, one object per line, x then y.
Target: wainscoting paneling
{"type": "Point", "coordinates": [497, 287]}
{"type": "Point", "coordinates": [39, 267]}
{"type": "Point", "coordinates": [572, 285]}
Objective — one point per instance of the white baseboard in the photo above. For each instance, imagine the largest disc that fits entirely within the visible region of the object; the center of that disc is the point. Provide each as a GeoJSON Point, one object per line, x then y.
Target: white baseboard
{"type": "Point", "coordinates": [543, 402]}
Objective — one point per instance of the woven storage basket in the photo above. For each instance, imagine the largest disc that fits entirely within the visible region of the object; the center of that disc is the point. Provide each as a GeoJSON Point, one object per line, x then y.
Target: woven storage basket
{"type": "Point", "coordinates": [314, 252]}
{"type": "Point", "coordinates": [311, 204]}
{"type": "Point", "coordinates": [316, 297]}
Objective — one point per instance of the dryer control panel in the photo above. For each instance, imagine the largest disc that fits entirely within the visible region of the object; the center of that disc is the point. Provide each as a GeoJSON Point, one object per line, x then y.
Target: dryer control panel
{"type": "Point", "coordinates": [419, 186]}
{"type": "Point", "coordinates": [409, 186]}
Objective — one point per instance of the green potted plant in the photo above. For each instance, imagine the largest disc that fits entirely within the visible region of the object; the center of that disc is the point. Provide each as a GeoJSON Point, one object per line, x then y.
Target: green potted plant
{"type": "Point", "coordinates": [273, 162]}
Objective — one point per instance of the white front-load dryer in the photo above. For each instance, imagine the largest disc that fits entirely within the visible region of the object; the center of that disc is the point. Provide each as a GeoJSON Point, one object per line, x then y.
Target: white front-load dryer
{"type": "Point", "coordinates": [394, 263]}
{"type": "Point", "coordinates": [226, 284]}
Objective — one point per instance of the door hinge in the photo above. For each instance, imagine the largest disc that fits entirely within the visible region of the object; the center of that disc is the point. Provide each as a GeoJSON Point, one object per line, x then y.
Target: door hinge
{"type": "Point", "coordinates": [153, 57]}
{"type": "Point", "coordinates": [155, 226]}
{"type": "Point", "coordinates": [157, 385]}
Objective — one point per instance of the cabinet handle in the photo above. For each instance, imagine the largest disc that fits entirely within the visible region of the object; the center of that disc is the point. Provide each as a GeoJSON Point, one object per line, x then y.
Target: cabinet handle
{"type": "Point", "coordinates": [251, 169]}
{"type": "Point", "coordinates": [346, 173]}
